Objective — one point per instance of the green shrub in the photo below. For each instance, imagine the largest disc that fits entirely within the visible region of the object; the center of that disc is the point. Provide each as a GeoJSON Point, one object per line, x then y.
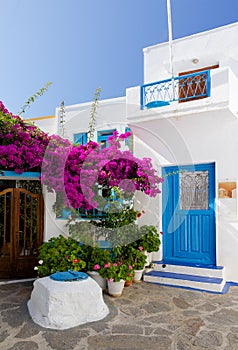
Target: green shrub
{"type": "Point", "coordinates": [149, 240]}
{"type": "Point", "coordinates": [60, 254]}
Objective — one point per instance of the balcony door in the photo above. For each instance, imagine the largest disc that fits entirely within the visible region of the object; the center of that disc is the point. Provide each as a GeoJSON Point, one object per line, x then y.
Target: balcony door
{"type": "Point", "coordinates": [195, 86]}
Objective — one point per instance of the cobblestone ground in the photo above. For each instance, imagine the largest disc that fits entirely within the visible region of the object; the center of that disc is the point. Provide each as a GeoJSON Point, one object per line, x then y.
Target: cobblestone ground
{"type": "Point", "coordinates": [147, 316]}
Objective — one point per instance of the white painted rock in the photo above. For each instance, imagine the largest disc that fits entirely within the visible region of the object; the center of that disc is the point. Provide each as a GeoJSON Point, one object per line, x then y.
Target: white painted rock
{"type": "Point", "coordinates": [62, 305]}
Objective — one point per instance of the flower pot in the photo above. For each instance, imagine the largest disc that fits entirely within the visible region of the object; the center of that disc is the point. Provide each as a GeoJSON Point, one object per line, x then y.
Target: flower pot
{"type": "Point", "coordinates": [128, 283]}
{"type": "Point", "coordinates": [138, 275]}
{"type": "Point", "coordinates": [102, 282]}
{"type": "Point", "coordinates": [115, 288]}
{"type": "Point", "coordinates": [148, 258]}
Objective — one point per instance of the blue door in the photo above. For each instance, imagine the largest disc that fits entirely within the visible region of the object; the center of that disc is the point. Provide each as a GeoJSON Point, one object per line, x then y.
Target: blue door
{"type": "Point", "coordinates": [189, 215]}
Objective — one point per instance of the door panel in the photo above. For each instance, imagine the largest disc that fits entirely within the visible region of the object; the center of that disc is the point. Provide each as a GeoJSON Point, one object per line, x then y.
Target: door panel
{"type": "Point", "coordinates": [188, 214]}
{"type": "Point", "coordinates": [21, 232]}
{"type": "Point", "coordinates": [6, 229]}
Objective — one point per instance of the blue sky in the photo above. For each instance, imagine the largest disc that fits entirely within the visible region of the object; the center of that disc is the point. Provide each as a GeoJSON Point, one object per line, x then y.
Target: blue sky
{"type": "Point", "coordinates": [80, 45]}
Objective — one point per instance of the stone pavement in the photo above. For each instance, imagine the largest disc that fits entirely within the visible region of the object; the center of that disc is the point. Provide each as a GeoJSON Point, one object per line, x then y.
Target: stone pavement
{"type": "Point", "coordinates": [147, 316]}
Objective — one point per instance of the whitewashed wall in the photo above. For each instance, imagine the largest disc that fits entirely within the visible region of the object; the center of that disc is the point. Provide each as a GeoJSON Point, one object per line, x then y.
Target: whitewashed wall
{"type": "Point", "coordinates": [110, 114]}
{"type": "Point", "coordinates": [47, 124]}
{"type": "Point", "coordinates": [200, 131]}
{"type": "Point", "coordinates": [211, 47]}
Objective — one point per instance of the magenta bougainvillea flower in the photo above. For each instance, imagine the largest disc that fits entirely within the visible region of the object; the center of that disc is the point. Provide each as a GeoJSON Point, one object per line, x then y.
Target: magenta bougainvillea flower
{"type": "Point", "coordinates": [22, 145]}
{"type": "Point", "coordinates": [75, 171]}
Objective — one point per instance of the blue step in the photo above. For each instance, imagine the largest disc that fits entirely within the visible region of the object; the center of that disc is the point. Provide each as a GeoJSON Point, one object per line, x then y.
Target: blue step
{"type": "Point", "coordinates": [190, 269]}
{"type": "Point", "coordinates": [212, 267]}
{"type": "Point", "coordinates": [180, 276]}
{"type": "Point", "coordinates": [190, 281]}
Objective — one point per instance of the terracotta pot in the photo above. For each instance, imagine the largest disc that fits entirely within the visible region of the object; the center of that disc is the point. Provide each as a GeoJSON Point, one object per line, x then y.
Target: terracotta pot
{"type": "Point", "coordinates": [148, 258]}
{"type": "Point", "coordinates": [128, 283]}
{"type": "Point", "coordinates": [115, 288]}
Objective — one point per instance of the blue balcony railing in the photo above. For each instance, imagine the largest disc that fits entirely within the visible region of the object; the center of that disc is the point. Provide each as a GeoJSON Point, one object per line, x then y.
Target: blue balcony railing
{"type": "Point", "coordinates": [183, 88]}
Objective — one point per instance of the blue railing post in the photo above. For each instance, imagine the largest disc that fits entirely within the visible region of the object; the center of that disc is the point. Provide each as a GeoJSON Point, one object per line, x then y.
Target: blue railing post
{"type": "Point", "coordinates": [208, 83]}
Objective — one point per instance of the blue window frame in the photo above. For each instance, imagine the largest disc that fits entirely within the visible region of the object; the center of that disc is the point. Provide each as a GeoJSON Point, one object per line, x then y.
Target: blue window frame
{"type": "Point", "coordinates": [81, 138]}
{"type": "Point", "coordinates": [129, 140]}
{"type": "Point", "coordinates": [103, 137]}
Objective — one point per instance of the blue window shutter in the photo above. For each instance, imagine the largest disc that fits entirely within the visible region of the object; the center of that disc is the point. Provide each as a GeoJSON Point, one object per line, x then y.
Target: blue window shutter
{"type": "Point", "coordinates": [129, 140]}
{"type": "Point", "coordinates": [103, 137]}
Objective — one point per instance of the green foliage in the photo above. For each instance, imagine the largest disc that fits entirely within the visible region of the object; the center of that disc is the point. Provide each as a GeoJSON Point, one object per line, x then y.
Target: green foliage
{"type": "Point", "coordinates": [119, 219]}
{"type": "Point", "coordinates": [33, 186]}
{"type": "Point", "coordinates": [119, 228]}
{"type": "Point", "coordinates": [95, 256]}
{"type": "Point", "coordinates": [58, 204]}
{"type": "Point", "coordinates": [7, 119]}
{"type": "Point", "coordinates": [115, 271]}
{"type": "Point", "coordinates": [130, 256]}
{"type": "Point", "coordinates": [149, 240]}
{"type": "Point", "coordinates": [84, 232]}
{"type": "Point", "coordinates": [60, 254]}
{"type": "Point", "coordinates": [139, 259]}
{"type": "Point", "coordinates": [34, 97]}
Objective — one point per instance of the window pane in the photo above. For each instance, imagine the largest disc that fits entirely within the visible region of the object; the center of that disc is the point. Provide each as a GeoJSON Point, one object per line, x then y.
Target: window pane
{"type": "Point", "coordinates": [193, 190]}
{"type": "Point", "coordinates": [80, 138]}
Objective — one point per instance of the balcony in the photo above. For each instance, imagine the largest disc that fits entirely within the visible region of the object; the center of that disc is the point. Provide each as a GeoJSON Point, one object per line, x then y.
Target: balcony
{"type": "Point", "coordinates": [205, 92]}
{"type": "Point", "coordinates": [179, 89]}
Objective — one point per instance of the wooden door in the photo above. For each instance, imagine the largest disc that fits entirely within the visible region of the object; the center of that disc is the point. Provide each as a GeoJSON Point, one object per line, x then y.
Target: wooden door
{"type": "Point", "coordinates": [21, 232]}
{"type": "Point", "coordinates": [194, 86]}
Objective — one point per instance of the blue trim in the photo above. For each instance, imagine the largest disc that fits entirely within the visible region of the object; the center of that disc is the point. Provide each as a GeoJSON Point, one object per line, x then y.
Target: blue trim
{"type": "Point", "coordinates": [102, 136]}
{"type": "Point", "coordinates": [208, 83]}
{"type": "Point", "coordinates": [177, 263]}
{"type": "Point", "coordinates": [81, 138]}
{"type": "Point", "coordinates": [224, 290]}
{"type": "Point", "coordinates": [233, 284]}
{"type": "Point", "coordinates": [128, 141]}
{"type": "Point", "coordinates": [142, 102]}
{"type": "Point", "coordinates": [154, 104]}
{"type": "Point", "coordinates": [180, 276]}
{"type": "Point", "coordinates": [25, 174]}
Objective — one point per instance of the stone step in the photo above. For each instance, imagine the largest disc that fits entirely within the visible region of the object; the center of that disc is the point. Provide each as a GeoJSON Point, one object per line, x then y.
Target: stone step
{"type": "Point", "coordinates": [210, 284]}
{"type": "Point", "coordinates": [197, 270]}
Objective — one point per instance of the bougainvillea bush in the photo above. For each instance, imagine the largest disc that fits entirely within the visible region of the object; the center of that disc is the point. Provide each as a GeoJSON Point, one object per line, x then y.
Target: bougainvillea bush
{"type": "Point", "coordinates": [77, 171]}
{"type": "Point", "coordinates": [22, 145]}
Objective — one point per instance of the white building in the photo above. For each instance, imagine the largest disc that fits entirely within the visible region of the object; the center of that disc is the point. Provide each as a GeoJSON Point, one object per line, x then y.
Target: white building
{"type": "Point", "coordinates": [189, 126]}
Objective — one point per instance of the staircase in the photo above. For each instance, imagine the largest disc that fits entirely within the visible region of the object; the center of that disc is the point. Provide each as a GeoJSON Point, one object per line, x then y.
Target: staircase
{"type": "Point", "coordinates": [209, 279]}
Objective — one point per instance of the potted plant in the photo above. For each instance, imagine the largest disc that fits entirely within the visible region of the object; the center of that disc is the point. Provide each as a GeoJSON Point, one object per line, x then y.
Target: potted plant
{"type": "Point", "coordinates": [130, 276]}
{"type": "Point", "coordinates": [149, 241]}
{"type": "Point", "coordinates": [96, 258]}
{"type": "Point", "coordinates": [138, 264]}
{"type": "Point", "coordinates": [115, 273]}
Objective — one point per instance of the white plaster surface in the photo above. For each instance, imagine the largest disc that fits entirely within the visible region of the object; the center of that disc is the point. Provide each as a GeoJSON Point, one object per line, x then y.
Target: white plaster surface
{"type": "Point", "coordinates": [62, 305]}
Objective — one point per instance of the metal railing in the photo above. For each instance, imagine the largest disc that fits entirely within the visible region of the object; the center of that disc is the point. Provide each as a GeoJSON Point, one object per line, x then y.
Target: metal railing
{"type": "Point", "coordinates": [183, 88]}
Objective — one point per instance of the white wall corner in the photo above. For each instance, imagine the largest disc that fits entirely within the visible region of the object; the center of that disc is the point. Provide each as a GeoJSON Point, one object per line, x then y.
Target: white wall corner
{"type": "Point", "coordinates": [133, 100]}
